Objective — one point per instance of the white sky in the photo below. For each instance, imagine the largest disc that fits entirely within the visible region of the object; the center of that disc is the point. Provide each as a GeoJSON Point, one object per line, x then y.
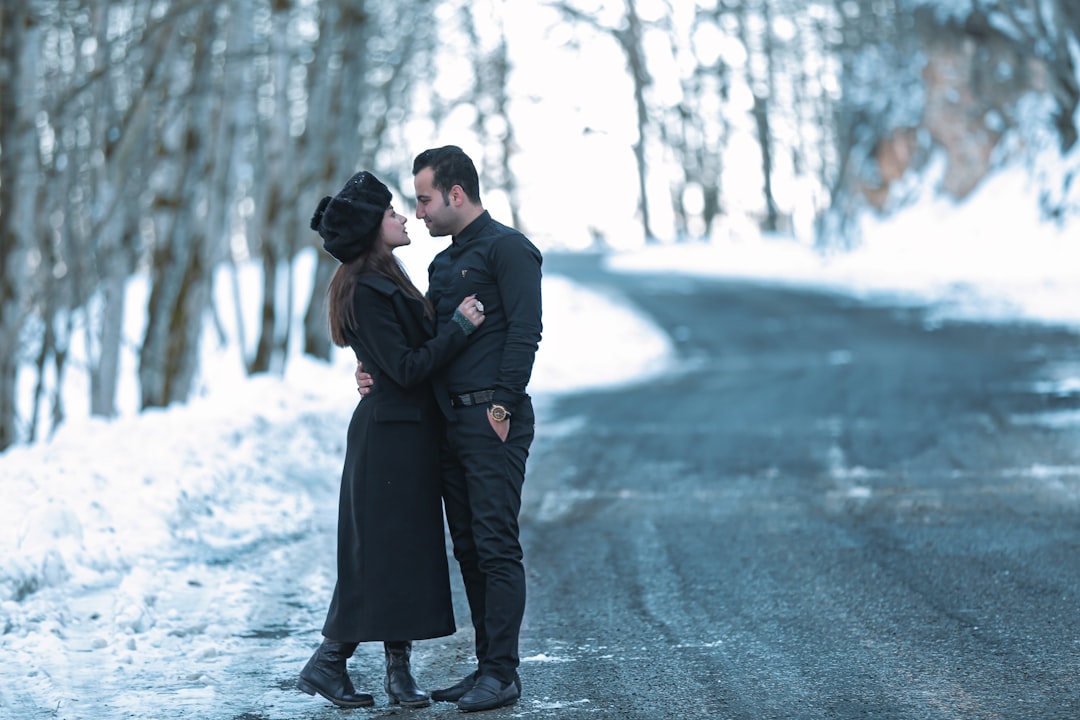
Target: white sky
{"type": "Point", "coordinates": [103, 518]}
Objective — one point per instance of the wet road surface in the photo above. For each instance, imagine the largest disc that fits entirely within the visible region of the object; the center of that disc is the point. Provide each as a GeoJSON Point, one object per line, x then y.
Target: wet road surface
{"type": "Point", "coordinates": [834, 511]}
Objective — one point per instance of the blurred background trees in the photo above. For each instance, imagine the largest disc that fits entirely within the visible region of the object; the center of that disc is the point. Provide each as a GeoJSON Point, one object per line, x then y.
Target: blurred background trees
{"type": "Point", "coordinates": [172, 139]}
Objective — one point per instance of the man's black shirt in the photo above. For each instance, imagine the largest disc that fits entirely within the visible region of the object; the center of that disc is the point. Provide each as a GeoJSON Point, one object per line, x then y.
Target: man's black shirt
{"type": "Point", "coordinates": [502, 268]}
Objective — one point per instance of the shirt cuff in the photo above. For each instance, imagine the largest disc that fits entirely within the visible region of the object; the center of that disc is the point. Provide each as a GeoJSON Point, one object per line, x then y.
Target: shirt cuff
{"type": "Point", "coordinates": [507, 399]}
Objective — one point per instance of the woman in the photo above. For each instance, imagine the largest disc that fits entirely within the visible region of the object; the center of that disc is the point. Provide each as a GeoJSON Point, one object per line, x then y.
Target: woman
{"type": "Point", "coordinates": [393, 581]}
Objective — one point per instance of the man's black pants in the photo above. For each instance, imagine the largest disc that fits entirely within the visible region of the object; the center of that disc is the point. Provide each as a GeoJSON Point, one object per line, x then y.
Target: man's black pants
{"type": "Point", "coordinates": [482, 480]}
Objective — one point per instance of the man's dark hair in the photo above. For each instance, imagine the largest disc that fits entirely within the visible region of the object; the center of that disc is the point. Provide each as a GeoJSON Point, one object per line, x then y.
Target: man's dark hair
{"type": "Point", "coordinates": [451, 166]}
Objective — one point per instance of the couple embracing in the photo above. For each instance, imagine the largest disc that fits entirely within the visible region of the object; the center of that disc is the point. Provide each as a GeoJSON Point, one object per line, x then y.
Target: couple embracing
{"type": "Point", "coordinates": [445, 421]}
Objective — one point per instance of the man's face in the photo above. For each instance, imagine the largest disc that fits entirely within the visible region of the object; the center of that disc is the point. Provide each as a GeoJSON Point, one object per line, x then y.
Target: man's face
{"type": "Point", "coordinates": [438, 215]}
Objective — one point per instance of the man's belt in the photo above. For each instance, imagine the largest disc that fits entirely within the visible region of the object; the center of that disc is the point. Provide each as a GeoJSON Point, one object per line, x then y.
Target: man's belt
{"type": "Point", "coordinates": [480, 397]}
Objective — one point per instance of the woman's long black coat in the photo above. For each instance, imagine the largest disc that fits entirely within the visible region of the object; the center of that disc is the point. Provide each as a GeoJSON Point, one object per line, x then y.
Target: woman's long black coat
{"type": "Point", "coordinates": [393, 578]}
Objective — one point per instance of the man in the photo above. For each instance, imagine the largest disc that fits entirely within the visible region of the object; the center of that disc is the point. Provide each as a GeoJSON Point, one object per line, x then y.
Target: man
{"type": "Point", "coordinates": [488, 440]}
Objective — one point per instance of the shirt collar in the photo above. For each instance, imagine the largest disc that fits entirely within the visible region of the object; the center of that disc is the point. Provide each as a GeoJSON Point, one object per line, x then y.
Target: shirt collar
{"type": "Point", "coordinates": [472, 229]}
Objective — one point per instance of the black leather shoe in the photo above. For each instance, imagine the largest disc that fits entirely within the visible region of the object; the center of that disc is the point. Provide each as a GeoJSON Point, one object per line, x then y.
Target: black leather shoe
{"type": "Point", "coordinates": [454, 692]}
{"type": "Point", "coordinates": [489, 693]}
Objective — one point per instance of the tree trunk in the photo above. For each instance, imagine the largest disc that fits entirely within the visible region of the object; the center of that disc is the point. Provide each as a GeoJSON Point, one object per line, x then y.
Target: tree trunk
{"type": "Point", "coordinates": [18, 172]}
{"type": "Point", "coordinates": [316, 333]}
{"type": "Point", "coordinates": [276, 212]}
{"type": "Point", "coordinates": [180, 274]}
{"type": "Point", "coordinates": [105, 368]}
{"type": "Point", "coordinates": [264, 349]}
{"type": "Point", "coordinates": [104, 333]}
{"type": "Point", "coordinates": [631, 41]}
{"type": "Point", "coordinates": [764, 136]}
{"type": "Point", "coordinates": [330, 141]}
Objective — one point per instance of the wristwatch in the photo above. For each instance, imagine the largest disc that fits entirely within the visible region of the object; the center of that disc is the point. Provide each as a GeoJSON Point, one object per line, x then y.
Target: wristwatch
{"type": "Point", "coordinates": [499, 413]}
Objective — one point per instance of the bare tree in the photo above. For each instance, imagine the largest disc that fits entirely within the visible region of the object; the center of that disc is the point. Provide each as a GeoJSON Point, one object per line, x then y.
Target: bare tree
{"type": "Point", "coordinates": [138, 134]}
{"type": "Point", "coordinates": [359, 96]}
{"type": "Point", "coordinates": [327, 73]}
{"type": "Point", "coordinates": [490, 93]}
{"type": "Point", "coordinates": [878, 77]}
{"type": "Point", "coordinates": [229, 183]}
{"type": "Point", "coordinates": [629, 36]}
{"type": "Point", "coordinates": [756, 35]}
{"type": "Point", "coordinates": [180, 274]}
{"type": "Point", "coordinates": [1046, 34]}
{"type": "Point", "coordinates": [19, 35]}
{"type": "Point", "coordinates": [121, 110]}
{"type": "Point", "coordinates": [337, 96]}
{"type": "Point", "coordinates": [274, 221]}
{"type": "Point", "coordinates": [695, 129]}
{"type": "Point", "coordinates": [1045, 31]}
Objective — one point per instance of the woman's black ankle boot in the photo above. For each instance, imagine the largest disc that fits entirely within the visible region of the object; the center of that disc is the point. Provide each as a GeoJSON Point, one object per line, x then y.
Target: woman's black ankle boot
{"type": "Point", "coordinates": [325, 674]}
{"type": "Point", "coordinates": [399, 684]}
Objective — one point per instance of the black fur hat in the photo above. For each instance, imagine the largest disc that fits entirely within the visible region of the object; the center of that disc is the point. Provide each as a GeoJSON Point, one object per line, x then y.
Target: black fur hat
{"type": "Point", "coordinates": [349, 222]}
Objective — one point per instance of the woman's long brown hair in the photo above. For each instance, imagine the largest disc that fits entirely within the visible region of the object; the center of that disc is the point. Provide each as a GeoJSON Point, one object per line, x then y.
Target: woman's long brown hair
{"type": "Point", "coordinates": [378, 260]}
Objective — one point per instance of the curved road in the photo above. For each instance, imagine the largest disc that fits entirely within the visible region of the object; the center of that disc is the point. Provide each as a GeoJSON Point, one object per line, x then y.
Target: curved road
{"type": "Point", "coordinates": [833, 511]}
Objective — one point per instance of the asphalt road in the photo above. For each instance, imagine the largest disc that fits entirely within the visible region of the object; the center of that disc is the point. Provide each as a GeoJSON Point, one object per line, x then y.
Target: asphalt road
{"type": "Point", "coordinates": [827, 510]}
{"type": "Point", "coordinates": [833, 510]}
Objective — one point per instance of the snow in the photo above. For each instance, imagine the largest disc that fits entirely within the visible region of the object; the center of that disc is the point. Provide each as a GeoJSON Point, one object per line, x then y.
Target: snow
{"type": "Point", "coordinates": [112, 525]}
{"type": "Point", "coordinates": [991, 258]}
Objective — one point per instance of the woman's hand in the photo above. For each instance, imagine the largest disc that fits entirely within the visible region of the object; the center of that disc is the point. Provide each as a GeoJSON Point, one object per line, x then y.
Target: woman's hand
{"type": "Point", "coordinates": [364, 381]}
{"type": "Point", "coordinates": [473, 310]}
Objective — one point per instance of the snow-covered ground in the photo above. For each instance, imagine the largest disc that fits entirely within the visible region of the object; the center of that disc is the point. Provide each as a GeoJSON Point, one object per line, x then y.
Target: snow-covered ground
{"type": "Point", "coordinates": [114, 509]}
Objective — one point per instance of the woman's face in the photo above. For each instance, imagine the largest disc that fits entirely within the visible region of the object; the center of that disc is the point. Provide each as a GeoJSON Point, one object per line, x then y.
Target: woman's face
{"type": "Point", "coordinates": [392, 231]}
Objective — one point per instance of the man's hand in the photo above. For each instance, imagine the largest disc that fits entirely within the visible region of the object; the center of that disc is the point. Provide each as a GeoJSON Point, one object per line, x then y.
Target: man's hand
{"type": "Point", "coordinates": [501, 427]}
{"type": "Point", "coordinates": [363, 380]}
